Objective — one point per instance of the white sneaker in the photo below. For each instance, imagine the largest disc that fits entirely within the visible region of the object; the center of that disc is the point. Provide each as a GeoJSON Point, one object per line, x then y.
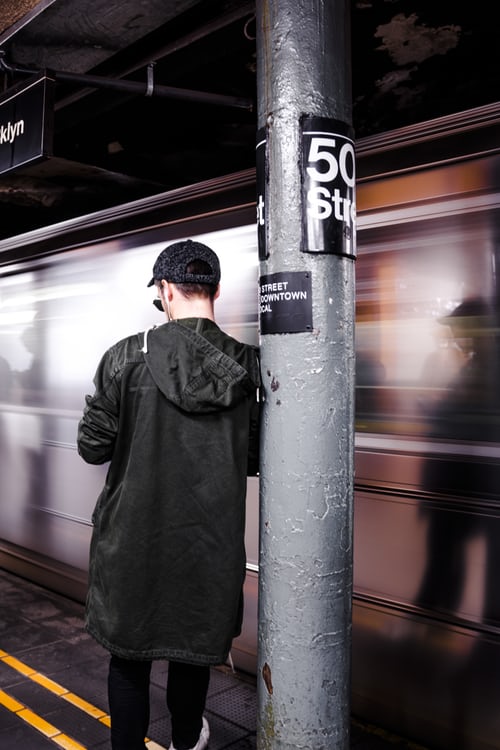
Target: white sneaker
{"type": "Point", "coordinates": [203, 738]}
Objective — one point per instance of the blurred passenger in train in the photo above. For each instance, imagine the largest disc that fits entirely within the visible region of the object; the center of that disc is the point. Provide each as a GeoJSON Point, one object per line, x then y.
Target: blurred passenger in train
{"type": "Point", "coordinates": [464, 413]}
{"type": "Point", "coordinates": [32, 381]}
{"type": "Point", "coordinates": [370, 375]}
{"type": "Point", "coordinates": [33, 424]}
{"type": "Point", "coordinates": [468, 412]}
{"type": "Point", "coordinates": [175, 412]}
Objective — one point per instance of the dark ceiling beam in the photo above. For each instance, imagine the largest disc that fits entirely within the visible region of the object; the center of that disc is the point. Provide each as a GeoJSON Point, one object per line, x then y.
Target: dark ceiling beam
{"type": "Point", "coordinates": [163, 51]}
{"type": "Point", "coordinates": [221, 22]}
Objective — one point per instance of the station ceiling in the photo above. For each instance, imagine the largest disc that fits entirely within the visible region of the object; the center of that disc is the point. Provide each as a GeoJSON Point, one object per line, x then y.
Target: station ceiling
{"type": "Point", "coordinates": [412, 60]}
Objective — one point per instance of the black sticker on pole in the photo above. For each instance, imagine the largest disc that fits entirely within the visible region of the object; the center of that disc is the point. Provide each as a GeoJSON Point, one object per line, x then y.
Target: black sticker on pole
{"type": "Point", "coordinates": [261, 174]}
{"type": "Point", "coordinates": [285, 302]}
{"type": "Point", "coordinates": [328, 187]}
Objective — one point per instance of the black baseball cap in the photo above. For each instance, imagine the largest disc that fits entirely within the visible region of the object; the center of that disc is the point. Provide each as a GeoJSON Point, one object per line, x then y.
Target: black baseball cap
{"type": "Point", "coordinates": [172, 262]}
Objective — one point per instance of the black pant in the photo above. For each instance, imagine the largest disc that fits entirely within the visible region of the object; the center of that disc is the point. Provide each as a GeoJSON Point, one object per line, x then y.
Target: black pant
{"type": "Point", "coordinates": [128, 692]}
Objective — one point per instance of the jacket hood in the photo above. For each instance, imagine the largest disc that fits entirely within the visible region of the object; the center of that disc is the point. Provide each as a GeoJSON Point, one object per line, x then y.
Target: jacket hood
{"type": "Point", "coordinates": [199, 368]}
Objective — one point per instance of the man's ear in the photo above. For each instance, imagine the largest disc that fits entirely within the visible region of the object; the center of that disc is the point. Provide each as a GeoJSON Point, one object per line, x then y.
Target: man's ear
{"type": "Point", "coordinates": [217, 292]}
{"type": "Point", "coordinates": [168, 289]}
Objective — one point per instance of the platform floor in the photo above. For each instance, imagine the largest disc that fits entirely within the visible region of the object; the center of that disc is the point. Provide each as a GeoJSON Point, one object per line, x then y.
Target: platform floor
{"type": "Point", "coordinates": [53, 684]}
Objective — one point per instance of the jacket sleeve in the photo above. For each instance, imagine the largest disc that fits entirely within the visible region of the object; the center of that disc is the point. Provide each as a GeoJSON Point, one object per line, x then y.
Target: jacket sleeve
{"type": "Point", "coordinates": [98, 427]}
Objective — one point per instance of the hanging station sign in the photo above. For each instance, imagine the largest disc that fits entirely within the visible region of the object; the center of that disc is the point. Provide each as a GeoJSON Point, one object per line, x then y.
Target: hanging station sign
{"type": "Point", "coordinates": [328, 187]}
{"type": "Point", "coordinates": [26, 123]}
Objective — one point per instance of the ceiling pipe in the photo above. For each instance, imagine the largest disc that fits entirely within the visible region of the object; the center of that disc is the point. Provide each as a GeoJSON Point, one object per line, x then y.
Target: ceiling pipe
{"type": "Point", "coordinates": [148, 88]}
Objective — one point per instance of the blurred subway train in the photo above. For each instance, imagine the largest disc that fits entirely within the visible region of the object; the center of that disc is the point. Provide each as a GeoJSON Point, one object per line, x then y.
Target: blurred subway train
{"type": "Point", "coordinates": [426, 608]}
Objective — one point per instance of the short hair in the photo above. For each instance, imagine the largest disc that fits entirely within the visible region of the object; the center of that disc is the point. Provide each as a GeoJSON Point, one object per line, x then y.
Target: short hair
{"type": "Point", "coordinates": [189, 289]}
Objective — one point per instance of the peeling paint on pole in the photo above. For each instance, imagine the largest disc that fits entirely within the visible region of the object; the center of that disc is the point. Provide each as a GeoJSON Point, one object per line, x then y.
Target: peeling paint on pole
{"type": "Point", "coordinates": [305, 163]}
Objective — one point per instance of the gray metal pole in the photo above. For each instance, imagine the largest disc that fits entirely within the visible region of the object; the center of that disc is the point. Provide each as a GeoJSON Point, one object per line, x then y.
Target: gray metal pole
{"type": "Point", "coordinates": [306, 205]}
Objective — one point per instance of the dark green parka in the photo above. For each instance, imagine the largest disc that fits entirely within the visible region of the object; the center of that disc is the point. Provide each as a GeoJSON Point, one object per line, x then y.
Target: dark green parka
{"type": "Point", "coordinates": [174, 411]}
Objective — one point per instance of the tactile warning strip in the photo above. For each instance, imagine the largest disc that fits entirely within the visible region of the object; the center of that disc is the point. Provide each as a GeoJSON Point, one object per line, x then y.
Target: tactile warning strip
{"type": "Point", "coordinates": [54, 687]}
{"type": "Point", "coordinates": [36, 721]}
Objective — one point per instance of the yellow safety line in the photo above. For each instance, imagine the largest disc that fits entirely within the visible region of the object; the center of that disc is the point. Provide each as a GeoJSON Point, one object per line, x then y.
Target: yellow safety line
{"type": "Point", "coordinates": [61, 692]}
{"type": "Point", "coordinates": [54, 687]}
{"type": "Point", "coordinates": [38, 723]}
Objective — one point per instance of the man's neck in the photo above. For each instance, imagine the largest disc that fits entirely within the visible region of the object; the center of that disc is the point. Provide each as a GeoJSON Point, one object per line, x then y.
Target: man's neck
{"type": "Point", "coordinates": [193, 308]}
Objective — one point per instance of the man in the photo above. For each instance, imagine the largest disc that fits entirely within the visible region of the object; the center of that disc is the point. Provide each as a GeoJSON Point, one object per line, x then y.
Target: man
{"type": "Point", "coordinates": [174, 411]}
